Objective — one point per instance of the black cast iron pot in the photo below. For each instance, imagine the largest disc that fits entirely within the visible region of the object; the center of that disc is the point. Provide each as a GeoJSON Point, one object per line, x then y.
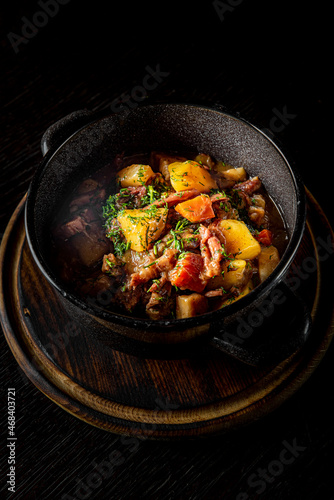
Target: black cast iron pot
{"type": "Point", "coordinates": [81, 143]}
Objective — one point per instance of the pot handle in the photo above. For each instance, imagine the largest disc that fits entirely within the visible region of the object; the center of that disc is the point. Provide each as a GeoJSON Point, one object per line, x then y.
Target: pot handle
{"type": "Point", "coordinates": [62, 129]}
{"type": "Point", "coordinates": [268, 334]}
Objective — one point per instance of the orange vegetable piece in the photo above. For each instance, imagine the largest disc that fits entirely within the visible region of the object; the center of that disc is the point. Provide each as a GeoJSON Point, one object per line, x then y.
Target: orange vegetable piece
{"type": "Point", "coordinates": [197, 209]}
{"type": "Point", "coordinates": [186, 274]}
{"type": "Point", "coordinates": [265, 237]}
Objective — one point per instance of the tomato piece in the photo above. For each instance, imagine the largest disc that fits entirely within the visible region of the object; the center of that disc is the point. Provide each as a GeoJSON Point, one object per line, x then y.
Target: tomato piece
{"type": "Point", "coordinates": [186, 273]}
{"type": "Point", "coordinates": [265, 237]}
{"type": "Point", "coordinates": [197, 209]}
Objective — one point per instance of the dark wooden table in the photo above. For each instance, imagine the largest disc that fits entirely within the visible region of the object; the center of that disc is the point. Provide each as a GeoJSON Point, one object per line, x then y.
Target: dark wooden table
{"type": "Point", "coordinates": [256, 58]}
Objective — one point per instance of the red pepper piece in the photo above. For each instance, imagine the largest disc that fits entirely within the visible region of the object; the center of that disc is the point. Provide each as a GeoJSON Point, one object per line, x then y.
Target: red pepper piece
{"type": "Point", "coordinates": [186, 273]}
{"type": "Point", "coordinates": [265, 237]}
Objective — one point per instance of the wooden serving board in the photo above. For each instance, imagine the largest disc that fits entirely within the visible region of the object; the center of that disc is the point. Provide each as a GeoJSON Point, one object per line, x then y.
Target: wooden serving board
{"type": "Point", "coordinates": [197, 395]}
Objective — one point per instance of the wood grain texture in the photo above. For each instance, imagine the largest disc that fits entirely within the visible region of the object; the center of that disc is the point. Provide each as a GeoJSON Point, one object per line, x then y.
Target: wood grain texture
{"type": "Point", "coordinates": [206, 392]}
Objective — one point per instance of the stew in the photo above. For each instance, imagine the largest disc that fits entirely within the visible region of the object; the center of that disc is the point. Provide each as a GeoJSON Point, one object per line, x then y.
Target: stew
{"type": "Point", "coordinates": [180, 236]}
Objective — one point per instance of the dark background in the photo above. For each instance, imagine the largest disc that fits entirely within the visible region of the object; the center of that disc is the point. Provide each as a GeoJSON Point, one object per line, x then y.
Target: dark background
{"type": "Point", "coordinates": [261, 59]}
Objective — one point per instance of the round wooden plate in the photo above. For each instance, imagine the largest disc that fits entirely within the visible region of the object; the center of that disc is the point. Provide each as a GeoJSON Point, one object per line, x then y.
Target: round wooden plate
{"type": "Point", "coordinates": [197, 395]}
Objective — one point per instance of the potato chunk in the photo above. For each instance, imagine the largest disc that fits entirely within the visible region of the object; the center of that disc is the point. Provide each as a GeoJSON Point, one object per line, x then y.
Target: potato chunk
{"type": "Point", "coordinates": [222, 167]}
{"type": "Point", "coordinates": [204, 159]}
{"type": "Point", "coordinates": [238, 239]}
{"type": "Point", "coordinates": [234, 273]}
{"type": "Point", "coordinates": [142, 226]}
{"type": "Point", "coordinates": [190, 175]}
{"type": "Point", "coordinates": [235, 174]}
{"type": "Point", "coordinates": [267, 260]}
{"type": "Point", "coordinates": [135, 175]}
{"type": "Point", "coordinates": [188, 306]}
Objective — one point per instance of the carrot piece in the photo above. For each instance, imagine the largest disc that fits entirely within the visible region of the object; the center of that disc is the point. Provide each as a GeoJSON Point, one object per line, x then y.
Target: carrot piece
{"type": "Point", "coordinates": [186, 274]}
{"type": "Point", "coordinates": [265, 237]}
{"type": "Point", "coordinates": [197, 209]}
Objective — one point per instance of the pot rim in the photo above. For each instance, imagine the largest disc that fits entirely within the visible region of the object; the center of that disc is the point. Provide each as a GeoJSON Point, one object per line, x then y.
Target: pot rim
{"type": "Point", "coordinates": [210, 317]}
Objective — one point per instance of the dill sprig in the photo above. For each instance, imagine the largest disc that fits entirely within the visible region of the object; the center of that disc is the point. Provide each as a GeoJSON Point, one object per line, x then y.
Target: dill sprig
{"type": "Point", "coordinates": [176, 234]}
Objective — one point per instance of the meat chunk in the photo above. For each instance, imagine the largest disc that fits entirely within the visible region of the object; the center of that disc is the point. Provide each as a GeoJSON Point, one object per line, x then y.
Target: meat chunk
{"type": "Point", "coordinates": [128, 297]}
{"type": "Point", "coordinates": [111, 266]}
{"type": "Point", "coordinates": [152, 270]}
{"type": "Point", "coordinates": [218, 292]}
{"type": "Point", "coordinates": [159, 283]}
{"type": "Point", "coordinates": [147, 273]}
{"type": "Point", "coordinates": [178, 197]}
{"type": "Point", "coordinates": [90, 197]}
{"type": "Point", "coordinates": [135, 193]}
{"type": "Point", "coordinates": [256, 211]}
{"type": "Point", "coordinates": [250, 186]}
{"type": "Point", "coordinates": [87, 186]}
{"type": "Point", "coordinates": [224, 210]}
{"type": "Point", "coordinates": [90, 245]}
{"type": "Point", "coordinates": [211, 251]}
{"type": "Point", "coordinates": [161, 161]}
{"type": "Point", "coordinates": [89, 214]}
{"type": "Point", "coordinates": [78, 224]}
{"type": "Point", "coordinates": [190, 241]}
{"type": "Point", "coordinates": [160, 304]}
{"type": "Point", "coordinates": [109, 262]}
{"type": "Point", "coordinates": [256, 215]}
{"type": "Point", "coordinates": [70, 228]}
{"type": "Point", "coordinates": [218, 197]}
{"type": "Point", "coordinates": [167, 261]}
{"type": "Point", "coordinates": [99, 286]}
